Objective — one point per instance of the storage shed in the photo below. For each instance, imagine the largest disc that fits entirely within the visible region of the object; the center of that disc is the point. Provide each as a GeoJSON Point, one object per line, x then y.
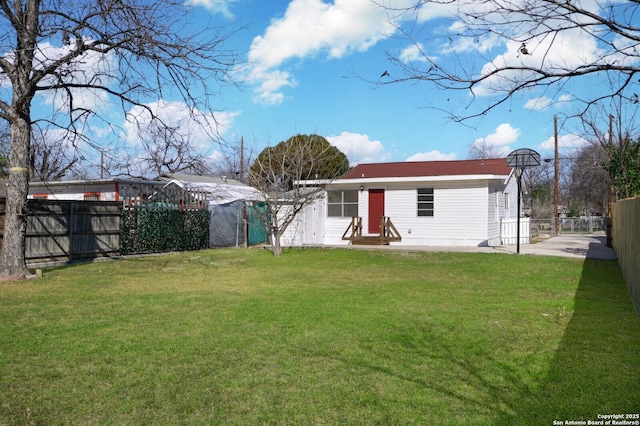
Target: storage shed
{"type": "Point", "coordinates": [237, 210]}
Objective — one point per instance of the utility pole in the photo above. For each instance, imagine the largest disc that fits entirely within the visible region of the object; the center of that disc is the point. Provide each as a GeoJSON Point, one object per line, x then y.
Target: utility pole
{"type": "Point", "coordinates": [241, 159]}
{"type": "Point", "coordinates": [610, 191]}
{"type": "Point", "coordinates": [102, 165]}
{"type": "Point", "coordinates": [608, 219]}
{"type": "Point", "coordinates": [556, 189]}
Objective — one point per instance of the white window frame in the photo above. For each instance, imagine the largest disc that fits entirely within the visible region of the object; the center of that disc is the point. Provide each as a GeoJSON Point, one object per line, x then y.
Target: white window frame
{"type": "Point", "coordinates": [347, 206]}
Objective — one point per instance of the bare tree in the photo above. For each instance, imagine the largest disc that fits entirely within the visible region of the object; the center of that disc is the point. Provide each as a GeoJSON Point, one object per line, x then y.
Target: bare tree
{"type": "Point", "coordinates": [168, 150]}
{"type": "Point", "coordinates": [481, 149]}
{"type": "Point", "coordinates": [539, 184]}
{"type": "Point", "coordinates": [125, 52]}
{"type": "Point", "coordinates": [589, 180]}
{"type": "Point", "coordinates": [613, 132]}
{"type": "Point", "coordinates": [235, 161]}
{"type": "Point", "coordinates": [51, 157]}
{"type": "Point", "coordinates": [292, 175]}
{"type": "Point", "coordinates": [548, 44]}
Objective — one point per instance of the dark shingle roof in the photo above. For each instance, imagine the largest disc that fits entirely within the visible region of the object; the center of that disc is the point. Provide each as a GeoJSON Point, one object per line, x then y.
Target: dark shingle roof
{"type": "Point", "coordinates": [494, 166]}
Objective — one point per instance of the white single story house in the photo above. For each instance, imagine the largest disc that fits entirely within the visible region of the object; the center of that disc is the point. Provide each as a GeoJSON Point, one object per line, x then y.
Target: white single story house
{"type": "Point", "coordinates": [455, 203]}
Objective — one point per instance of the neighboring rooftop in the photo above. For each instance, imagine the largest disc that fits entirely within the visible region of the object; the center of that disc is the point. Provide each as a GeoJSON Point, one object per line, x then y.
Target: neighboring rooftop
{"type": "Point", "coordinates": [201, 179]}
{"type": "Point", "coordinates": [493, 166]}
{"type": "Point", "coordinates": [219, 190]}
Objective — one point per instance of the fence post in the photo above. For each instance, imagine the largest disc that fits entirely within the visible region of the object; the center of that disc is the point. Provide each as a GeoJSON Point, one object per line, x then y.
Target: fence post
{"type": "Point", "coordinates": [71, 223]}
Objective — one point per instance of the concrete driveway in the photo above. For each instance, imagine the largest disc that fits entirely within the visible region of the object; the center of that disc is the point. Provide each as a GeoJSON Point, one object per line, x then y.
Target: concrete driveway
{"type": "Point", "coordinates": [580, 246]}
{"type": "Point", "coordinates": [592, 246]}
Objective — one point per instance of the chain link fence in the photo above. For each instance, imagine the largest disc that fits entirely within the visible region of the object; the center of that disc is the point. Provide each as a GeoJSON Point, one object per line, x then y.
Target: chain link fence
{"type": "Point", "coordinates": [568, 225]}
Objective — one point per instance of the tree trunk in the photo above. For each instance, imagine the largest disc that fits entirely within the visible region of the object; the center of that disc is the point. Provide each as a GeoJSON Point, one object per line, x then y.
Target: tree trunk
{"type": "Point", "coordinates": [276, 248]}
{"type": "Point", "coordinates": [12, 257]}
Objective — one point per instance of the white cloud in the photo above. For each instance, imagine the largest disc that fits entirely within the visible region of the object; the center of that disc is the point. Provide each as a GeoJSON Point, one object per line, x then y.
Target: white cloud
{"type": "Point", "coordinates": [85, 99]}
{"type": "Point", "coordinates": [432, 156]}
{"type": "Point", "coordinates": [215, 6]}
{"type": "Point", "coordinates": [569, 141]}
{"type": "Point", "coordinates": [480, 44]}
{"type": "Point", "coordinates": [568, 50]}
{"type": "Point", "coordinates": [565, 98]}
{"type": "Point", "coordinates": [91, 68]}
{"type": "Point", "coordinates": [358, 148]}
{"type": "Point", "coordinates": [504, 135]}
{"type": "Point", "coordinates": [414, 53]}
{"type": "Point", "coordinates": [216, 157]}
{"type": "Point", "coordinates": [429, 11]}
{"type": "Point", "coordinates": [200, 130]}
{"type": "Point", "coordinates": [311, 28]}
{"type": "Point", "coordinates": [538, 104]}
{"type": "Point", "coordinates": [543, 102]}
{"type": "Point", "coordinates": [270, 83]}
{"type": "Point", "coordinates": [200, 127]}
{"type": "Point", "coordinates": [315, 28]}
{"type": "Point", "coordinates": [497, 144]}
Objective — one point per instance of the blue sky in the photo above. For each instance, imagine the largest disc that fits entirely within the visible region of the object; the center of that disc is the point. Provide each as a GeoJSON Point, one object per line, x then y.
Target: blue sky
{"type": "Point", "coordinates": [314, 66]}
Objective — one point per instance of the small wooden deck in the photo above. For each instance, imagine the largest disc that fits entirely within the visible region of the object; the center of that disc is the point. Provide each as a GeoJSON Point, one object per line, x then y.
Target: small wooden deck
{"type": "Point", "coordinates": [388, 233]}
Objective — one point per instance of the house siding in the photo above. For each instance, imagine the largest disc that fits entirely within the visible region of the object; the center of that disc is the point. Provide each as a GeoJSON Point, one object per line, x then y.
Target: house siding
{"type": "Point", "coordinates": [307, 228]}
{"type": "Point", "coordinates": [512, 188]}
{"type": "Point", "coordinates": [459, 215]}
{"type": "Point", "coordinates": [105, 191]}
{"type": "Point", "coordinates": [294, 234]}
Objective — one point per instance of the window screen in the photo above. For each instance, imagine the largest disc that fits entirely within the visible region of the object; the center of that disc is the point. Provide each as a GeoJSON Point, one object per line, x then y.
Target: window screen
{"type": "Point", "coordinates": [425, 201]}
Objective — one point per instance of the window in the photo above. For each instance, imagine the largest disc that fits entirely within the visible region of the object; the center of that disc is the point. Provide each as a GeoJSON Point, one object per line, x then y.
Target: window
{"type": "Point", "coordinates": [342, 203]}
{"type": "Point", "coordinates": [506, 205]}
{"type": "Point", "coordinates": [425, 201]}
{"type": "Point", "coordinates": [92, 196]}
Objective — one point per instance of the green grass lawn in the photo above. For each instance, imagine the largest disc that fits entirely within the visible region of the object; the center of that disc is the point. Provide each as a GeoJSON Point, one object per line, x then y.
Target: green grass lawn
{"type": "Point", "coordinates": [319, 337]}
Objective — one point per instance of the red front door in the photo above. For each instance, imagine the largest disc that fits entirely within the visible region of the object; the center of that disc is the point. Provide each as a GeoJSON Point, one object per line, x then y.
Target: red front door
{"type": "Point", "coordinates": [376, 209]}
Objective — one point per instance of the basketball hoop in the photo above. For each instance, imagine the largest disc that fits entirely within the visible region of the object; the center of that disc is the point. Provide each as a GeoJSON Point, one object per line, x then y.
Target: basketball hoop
{"type": "Point", "coordinates": [523, 157]}
{"type": "Point", "coordinates": [519, 160]}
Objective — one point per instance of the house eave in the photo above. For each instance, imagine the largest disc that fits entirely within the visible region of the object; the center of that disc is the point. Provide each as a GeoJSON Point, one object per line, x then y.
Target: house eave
{"type": "Point", "coordinates": [416, 179]}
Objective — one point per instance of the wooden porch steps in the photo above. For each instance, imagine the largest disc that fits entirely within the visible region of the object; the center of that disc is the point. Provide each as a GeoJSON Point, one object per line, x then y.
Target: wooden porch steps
{"type": "Point", "coordinates": [370, 240]}
{"type": "Point", "coordinates": [388, 233]}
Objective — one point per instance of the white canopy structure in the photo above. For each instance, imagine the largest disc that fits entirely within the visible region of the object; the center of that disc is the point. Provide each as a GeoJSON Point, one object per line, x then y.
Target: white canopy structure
{"type": "Point", "coordinates": [237, 210]}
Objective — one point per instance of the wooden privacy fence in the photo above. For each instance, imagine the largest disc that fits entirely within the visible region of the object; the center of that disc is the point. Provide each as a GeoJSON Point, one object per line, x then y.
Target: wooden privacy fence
{"type": "Point", "coordinates": [62, 230]}
{"type": "Point", "coordinates": [626, 243]}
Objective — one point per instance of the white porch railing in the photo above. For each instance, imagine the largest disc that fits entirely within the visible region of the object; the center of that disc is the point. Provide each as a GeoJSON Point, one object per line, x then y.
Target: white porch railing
{"type": "Point", "coordinates": [509, 231]}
